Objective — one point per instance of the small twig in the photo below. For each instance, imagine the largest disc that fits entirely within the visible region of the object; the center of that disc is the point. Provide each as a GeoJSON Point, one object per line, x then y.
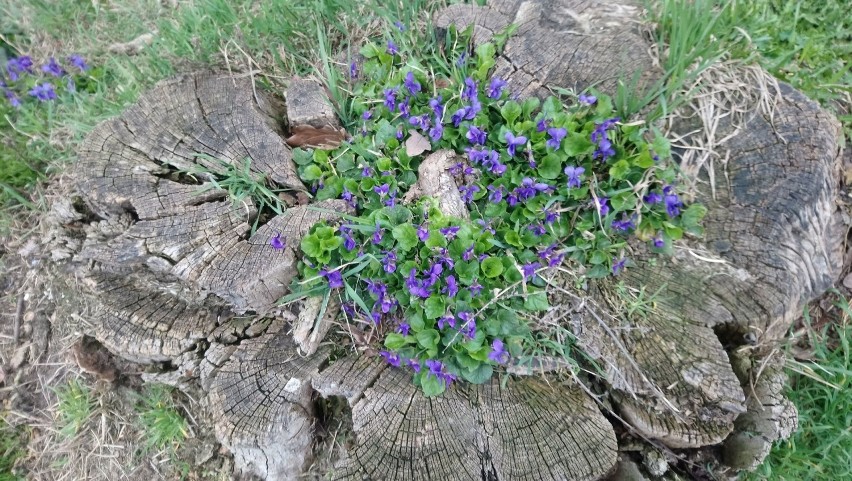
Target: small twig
{"type": "Point", "coordinates": [19, 317]}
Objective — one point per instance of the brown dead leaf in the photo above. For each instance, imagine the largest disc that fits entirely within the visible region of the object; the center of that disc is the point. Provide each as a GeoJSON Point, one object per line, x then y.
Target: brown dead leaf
{"type": "Point", "coordinates": [324, 138]}
{"type": "Point", "coordinates": [416, 144]}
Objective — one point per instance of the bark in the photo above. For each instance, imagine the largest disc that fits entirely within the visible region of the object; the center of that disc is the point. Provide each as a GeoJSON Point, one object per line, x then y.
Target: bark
{"type": "Point", "coordinates": [169, 262]}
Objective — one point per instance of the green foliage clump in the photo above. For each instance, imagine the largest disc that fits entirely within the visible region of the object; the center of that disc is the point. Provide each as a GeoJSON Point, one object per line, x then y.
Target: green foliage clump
{"type": "Point", "coordinates": [546, 185]}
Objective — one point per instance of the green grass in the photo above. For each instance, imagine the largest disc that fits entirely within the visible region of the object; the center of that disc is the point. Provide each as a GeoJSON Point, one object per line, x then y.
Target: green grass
{"type": "Point", "coordinates": [75, 407]}
{"type": "Point", "coordinates": [163, 427]}
{"type": "Point", "coordinates": [821, 449]}
{"type": "Point", "coordinates": [12, 448]}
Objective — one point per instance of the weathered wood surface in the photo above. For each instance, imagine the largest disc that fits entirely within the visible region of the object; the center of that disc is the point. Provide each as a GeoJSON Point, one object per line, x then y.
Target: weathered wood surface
{"type": "Point", "coordinates": [167, 268]}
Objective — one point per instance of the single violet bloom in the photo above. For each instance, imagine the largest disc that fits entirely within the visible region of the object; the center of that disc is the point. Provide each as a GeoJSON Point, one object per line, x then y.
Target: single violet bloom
{"type": "Point", "coordinates": [653, 198]}
{"type": "Point", "coordinates": [392, 358]}
{"type": "Point", "coordinates": [377, 234]}
{"type": "Point", "coordinates": [367, 115]}
{"type": "Point", "coordinates": [277, 242]}
{"type": "Point", "coordinates": [353, 70]}
{"type": "Point", "coordinates": [514, 142]}
{"type": "Point", "coordinates": [618, 265]}
{"type": "Point", "coordinates": [423, 232]}
{"type": "Point", "coordinates": [13, 99]}
{"type": "Point", "coordinates": [414, 365]}
{"type": "Point", "coordinates": [658, 242]}
{"type": "Point", "coordinates": [392, 48]}
{"type": "Point", "coordinates": [467, 255]}
{"type": "Point", "coordinates": [411, 83]}
{"type": "Point", "coordinates": [475, 135]}
{"type": "Point", "coordinates": [601, 204]}
{"type": "Point", "coordinates": [389, 262]}
{"type": "Point", "coordinates": [467, 192]}
{"type": "Point", "coordinates": [349, 197]}
{"type": "Point", "coordinates": [498, 352]}
{"type": "Point", "coordinates": [470, 88]}
{"type": "Point", "coordinates": [673, 204]}
{"type": "Point", "coordinates": [382, 190]}
{"type": "Point", "coordinates": [436, 132]}
{"type": "Point", "coordinates": [587, 99]}
{"type": "Point", "coordinates": [623, 225]}
{"type": "Point", "coordinates": [550, 216]}
{"type": "Point", "coordinates": [495, 89]}
{"type": "Point", "coordinates": [53, 68]}
{"type": "Point", "coordinates": [475, 288]}
{"type": "Point", "coordinates": [403, 328]}
{"type": "Point", "coordinates": [452, 287]}
{"type": "Point", "coordinates": [390, 98]}
{"type": "Point", "coordinates": [542, 125]}
{"type": "Point", "coordinates": [334, 278]}
{"type": "Point", "coordinates": [450, 232]}
{"type": "Point", "coordinates": [529, 269]}
{"type": "Point", "coordinates": [78, 61]}
{"type": "Point", "coordinates": [556, 136]}
{"type": "Point", "coordinates": [399, 25]}
{"type": "Point", "coordinates": [496, 195]}
{"type": "Point", "coordinates": [446, 320]}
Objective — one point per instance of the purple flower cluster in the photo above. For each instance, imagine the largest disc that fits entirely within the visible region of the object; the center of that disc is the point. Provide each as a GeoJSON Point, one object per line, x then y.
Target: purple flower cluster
{"type": "Point", "coordinates": [574, 174]}
{"type": "Point", "coordinates": [599, 136]}
{"type": "Point", "coordinates": [384, 302]}
{"type": "Point", "coordinates": [42, 91]}
{"type": "Point", "coordinates": [489, 159]}
{"type": "Point", "coordinates": [495, 89]}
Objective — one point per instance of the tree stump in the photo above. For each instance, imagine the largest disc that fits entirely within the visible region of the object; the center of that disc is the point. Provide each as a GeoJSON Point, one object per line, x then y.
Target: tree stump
{"type": "Point", "coordinates": [171, 271]}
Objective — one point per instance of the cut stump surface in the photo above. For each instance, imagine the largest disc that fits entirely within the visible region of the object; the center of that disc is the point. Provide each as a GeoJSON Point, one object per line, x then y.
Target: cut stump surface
{"type": "Point", "coordinates": [174, 271]}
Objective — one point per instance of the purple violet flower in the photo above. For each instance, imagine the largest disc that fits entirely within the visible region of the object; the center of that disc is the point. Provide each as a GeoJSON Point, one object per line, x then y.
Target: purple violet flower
{"type": "Point", "coordinates": [423, 232]}
{"type": "Point", "coordinates": [436, 132]}
{"type": "Point", "coordinates": [618, 265]}
{"type": "Point", "coordinates": [450, 232]}
{"type": "Point", "coordinates": [587, 99]}
{"type": "Point", "coordinates": [392, 358]}
{"type": "Point", "coordinates": [414, 365]}
{"type": "Point", "coordinates": [658, 242]}
{"type": "Point", "coordinates": [349, 197]}
{"type": "Point", "coordinates": [652, 198]}
{"type": "Point", "coordinates": [475, 135]}
{"type": "Point", "coordinates": [496, 195]}
{"type": "Point", "coordinates": [377, 234]}
{"type": "Point", "coordinates": [335, 280]}
{"type": "Point", "coordinates": [495, 89]}
{"type": "Point", "coordinates": [43, 92]}
{"type": "Point", "coordinates": [550, 216]}
{"type": "Point", "coordinates": [468, 327]}
{"type": "Point", "coordinates": [467, 255]}
{"type": "Point", "coordinates": [452, 287]}
{"type": "Point", "coordinates": [514, 142]}
{"type": "Point", "coordinates": [538, 230]}
{"type": "Point", "coordinates": [446, 320]}
{"type": "Point", "coordinates": [475, 288]}
{"type": "Point", "coordinates": [12, 98]}
{"type": "Point", "coordinates": [392, 48]}
{"type": "Point", "coordinates": [411, 83]}
{"type": "Point", "coordinates": [529, 269]}
{"type": "Point", "coordinates": [390, 98]}
{"type": "Point", "coordinates": [53, 68]}
{"type": "Point", "coordinates": [673, 203]}
{"type": "Point", "coordinates": [498, 352]}
{"type": "Point", "coordinates": [276, 242]}
{"type": "Point", "coordinates": [17, 66]}
{"type": "Point", "coordinates": [389, 262]}
{"type": "Point", "coordinates": [382, 190]}
{"type": "Point", "coordinates": [399, 25]}
{"type": "Point", "coordinates": [470, 88]}
{"type": "Point", "coordinates": [403, 328]}
{"type": "Point", "coordinates": [353, 70]}
{"type": "Point", "coordinates": [623, 225]}
{"type": "Point", "coordinates": [367, 115]}
{"type": "Point", "coordinates": [467, 192]}
{"type": "Point", "coordinates": [601, 204]}
{"type": "Point", "coordinates": [542, 125]}
{"type": "Point", "coordinates": [556, 136]}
